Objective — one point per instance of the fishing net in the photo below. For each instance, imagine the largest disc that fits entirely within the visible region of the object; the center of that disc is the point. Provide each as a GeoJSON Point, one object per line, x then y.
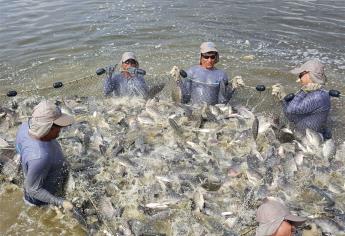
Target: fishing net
{"type": "Point", "coordinates": [92, 86]}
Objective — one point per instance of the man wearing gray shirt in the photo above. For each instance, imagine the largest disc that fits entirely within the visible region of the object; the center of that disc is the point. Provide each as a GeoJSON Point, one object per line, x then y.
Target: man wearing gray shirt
{"type": "Point", "coordinates": [127, 82]}
{"type": "Point", "coordinates": [44, 167]}
{"type": "Point", "coordinates": [206, 83]}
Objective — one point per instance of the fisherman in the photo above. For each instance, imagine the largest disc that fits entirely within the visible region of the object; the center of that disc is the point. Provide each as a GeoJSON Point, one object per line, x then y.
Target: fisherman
{"type": "Point", "coordinates": [310, 107]}
{"type": "Point", "coordinates": [44, 167]}
{"type": "Point", "coordinates": [206, 83]}
{"type": "Point", "coordinates": [275, 219]}
{"type": "Point", "coordinates": [129, 82]}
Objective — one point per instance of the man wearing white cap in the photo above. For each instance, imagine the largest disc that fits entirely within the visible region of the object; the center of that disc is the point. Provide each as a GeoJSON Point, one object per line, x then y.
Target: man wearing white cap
{"type": "Point", "coordinates": [128, 82]}
{"type": "Point", "coordinates": [310, 107]}
{"type": "Point", "coordinates": [275, 219]}
{"type": "Point", "coordinates": [206, 83]}
{"type": "Point", "coordinates": [44, 167]}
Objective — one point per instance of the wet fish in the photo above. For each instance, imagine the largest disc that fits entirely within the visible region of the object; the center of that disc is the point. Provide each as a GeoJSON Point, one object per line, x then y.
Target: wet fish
{"type": "Point", "coordinates": [312, 139]}
{"type": "Point", "coordinates": [255, 127]}
{"type": "Point", "coordinates": [325, 196]}
{"type": "Point", "coordinates": [155, 90]}
{"type": "Point", "coordinates": [178, 130]}
{"type": "Point", "coordinates": [106, 208]}
{"type": "Point", "coordinates": [328, 149]}
{"type": "Point", "coordinates": [11, 168]}
{"type": "Point", "coordinates": [329, 226]}
{"type": "Point", "coordinates": [70, 185]}
{"type": "Point", "coordinates": [142, 177]}
{"type": "Point", "coordinates": [3, 143]}
{"type": "Point", "coordinates": [198, 200]}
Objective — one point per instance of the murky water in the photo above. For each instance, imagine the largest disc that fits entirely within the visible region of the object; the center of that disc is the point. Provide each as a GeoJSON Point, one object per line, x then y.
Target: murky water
{"type": "Point", "coordinates": [44, 41]}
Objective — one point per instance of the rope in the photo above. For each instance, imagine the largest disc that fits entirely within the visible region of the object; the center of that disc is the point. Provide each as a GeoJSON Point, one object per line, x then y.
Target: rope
{"type": "Point", "coordinates": [43, 88]}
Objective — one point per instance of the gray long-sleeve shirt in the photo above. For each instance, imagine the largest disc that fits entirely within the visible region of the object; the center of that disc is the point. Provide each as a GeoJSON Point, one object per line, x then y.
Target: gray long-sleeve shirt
{"type": "Point", "coordinates": [119, 85]}
{"type": "Point", "coordinates": [44, 168]}
{"type": "Point", "coordinates": [308, 110]}
{"type": "Point", "coordinates": [205, 85]}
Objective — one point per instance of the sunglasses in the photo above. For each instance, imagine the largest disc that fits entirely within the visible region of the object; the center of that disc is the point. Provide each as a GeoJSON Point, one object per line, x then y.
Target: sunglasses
{"type": "Point", "coordinates": [207, 57]}
{"type": "Point", "coordinates": [130, 61]}
{"type": "Point", "coordinates": [302, 74]}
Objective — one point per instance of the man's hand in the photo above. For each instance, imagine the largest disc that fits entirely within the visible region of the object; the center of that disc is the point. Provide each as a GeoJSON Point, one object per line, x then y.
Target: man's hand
{"type": "Point", "coordinates": [278, 91]}
{"type": "Point", "coordinates": [67, 205]}
{"type": "Point", "coordinates": [175, 72]}
{"type": "Point", "coordinates": [110, 70]}
{"type": "Point", "coordinates": [237, 82]}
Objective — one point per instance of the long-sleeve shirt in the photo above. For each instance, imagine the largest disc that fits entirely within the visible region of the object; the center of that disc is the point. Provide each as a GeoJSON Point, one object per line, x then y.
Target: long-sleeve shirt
{"type": "Point", "coordinates": [119, 85]}
{"type": "Point", "coordinates": [206, 85]}
{"type": "Point", "coordinates": [308, 110]}
{"type": "Point", "coordinates": [44, 167]}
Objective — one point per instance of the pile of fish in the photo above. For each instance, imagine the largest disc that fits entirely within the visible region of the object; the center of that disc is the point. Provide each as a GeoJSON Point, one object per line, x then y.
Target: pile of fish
{"type": "Point", "coordinates": [155, 167]}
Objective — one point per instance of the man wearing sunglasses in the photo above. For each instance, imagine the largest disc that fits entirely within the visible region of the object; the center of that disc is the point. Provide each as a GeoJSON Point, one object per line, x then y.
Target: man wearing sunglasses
{"type": "Point", "coordinates": [129, 82]}
{"type": "Point", "coordinates": [206, 83]}
{"type": "Point", "coordinates": [44, 166]}
{"type": "Point", "coordinates": [310, 107]}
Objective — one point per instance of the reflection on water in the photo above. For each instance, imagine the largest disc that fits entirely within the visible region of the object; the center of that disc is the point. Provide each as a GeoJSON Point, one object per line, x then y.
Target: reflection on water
{"type": "Point", "coordinates": [19, 219]}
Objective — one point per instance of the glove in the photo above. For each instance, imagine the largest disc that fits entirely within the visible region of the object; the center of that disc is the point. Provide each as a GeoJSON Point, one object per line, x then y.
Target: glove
{"type": "Point", "coordinates": [278, 91]}
{"type": "Point", "coordinates": [175, 73]}
{"type": "Point", "coordinates": [110, 70]}
{"type": "Point", "coordinates": [67, 205]}
{"type": "Point", "coordinates": [237, 81]}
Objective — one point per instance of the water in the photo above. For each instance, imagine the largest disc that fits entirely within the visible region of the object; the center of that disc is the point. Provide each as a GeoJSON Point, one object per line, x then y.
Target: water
{"type": "Point", "coordinates": [44, 41]}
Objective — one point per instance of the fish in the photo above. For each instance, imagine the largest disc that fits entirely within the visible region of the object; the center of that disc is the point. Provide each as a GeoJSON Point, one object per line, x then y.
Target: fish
{"type": "Point", "coordinates": [106, 208]}
{"type": "Point", "coordinates": [3, 143]}
{"type": "Point", "coordinates": [328, 149]}
{"type": "Point", "coordinates": [70, 185]}
{"type": "Point", "coordinates": [177, 129]}
{"type": "Point", "coordinates": [311, 230]}
{"type": "Point", "coordinates": [312, 139]}
{"type": "Point", "coordinates": [329, 226]}
{"type": "Point", "coordinates": [154, 90]}
{"type": "Point", "coordinates": [323, 194]}
{"type": "Point", "coordinates": [183, 169]}
{"type": "Point", "coordinates": [11, 168]}
{"type": "Point", "coordinates": [255, 127]}
{"type": "Point", "coordinates": [198, 200]}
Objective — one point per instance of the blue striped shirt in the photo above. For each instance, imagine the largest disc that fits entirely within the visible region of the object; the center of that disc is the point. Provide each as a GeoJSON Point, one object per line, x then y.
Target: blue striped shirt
{"type": "Point", "coordinates": [119, 85]}
{"type": "Point", "coordinates": [308, 110]}
{"type": "Point", "coordinates": [206, 85]}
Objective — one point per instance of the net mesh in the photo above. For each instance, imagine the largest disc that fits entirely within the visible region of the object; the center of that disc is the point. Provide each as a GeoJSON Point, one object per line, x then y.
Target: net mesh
{"type": "Point", "coordinates": [86, 86]}
{"type": "Point", "coordinates": [92, 86]}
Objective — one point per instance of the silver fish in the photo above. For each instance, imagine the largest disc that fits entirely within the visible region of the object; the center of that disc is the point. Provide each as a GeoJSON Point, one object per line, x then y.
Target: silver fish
{"type": "Point", "coordinates": [198, 200]}
{"type": "Point", "coordinates": [328, 149]}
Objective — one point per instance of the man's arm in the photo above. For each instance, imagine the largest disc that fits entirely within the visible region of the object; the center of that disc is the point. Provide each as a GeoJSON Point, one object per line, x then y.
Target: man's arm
{"type": "Point", "coordinates": [108, 86]}
{"type": "Point", "coordinates": [225, 90]}
{"type": "Point", "coordinates": [37, 172]}
{"type": "Point", "coordinates": [304, 103]}
{"type": "Point", "coordinates": [185, 85]}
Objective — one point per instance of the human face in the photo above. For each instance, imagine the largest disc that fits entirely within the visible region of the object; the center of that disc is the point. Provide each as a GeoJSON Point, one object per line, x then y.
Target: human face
{"type": "Point", "coordinates": [304, 78]}
{"type": "Point", "coordinates": [285, 229]}
{"type": "Point", "coordinates": [208, 60]}
{"type": "Point", "coordinates": [129, 63]}
{"type": "Point", "coordinates": [53, 133]}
